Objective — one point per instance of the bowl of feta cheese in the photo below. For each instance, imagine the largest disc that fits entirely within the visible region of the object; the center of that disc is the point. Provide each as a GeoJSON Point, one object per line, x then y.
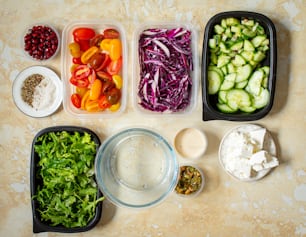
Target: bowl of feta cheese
{"type": "Point", "coordinates": [248, 152]}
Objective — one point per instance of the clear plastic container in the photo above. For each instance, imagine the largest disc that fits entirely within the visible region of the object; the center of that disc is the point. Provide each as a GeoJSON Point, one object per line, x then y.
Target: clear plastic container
{"type": "Point", "coordinates": [136, 67]}
{"type": "Point", "coordinates": [99, 26]}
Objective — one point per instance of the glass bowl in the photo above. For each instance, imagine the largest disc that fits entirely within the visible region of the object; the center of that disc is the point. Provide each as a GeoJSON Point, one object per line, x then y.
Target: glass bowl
{"type": "Point", "coordinates": [136, 168]}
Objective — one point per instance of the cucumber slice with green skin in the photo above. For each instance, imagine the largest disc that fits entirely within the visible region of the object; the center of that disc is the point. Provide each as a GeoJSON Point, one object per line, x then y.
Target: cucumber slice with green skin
{"type": "Point", "coordinates": [247, 22]}
{"type": "Point", "coordinates": [248, 46]}
{"type": "Point", "coordinates": [214, 82]}
{"type": "Point", "coordinates": [247, 55]}
{"type": "Point", "coordinates": [248, 109]}
{"type": "Point", "coordinates": [223, 60]}
{"type": "Point", "coordinates": [229, 82]}
{"type": "Point", "coordinates": [225, 108]}
{"type": "Point", "coordinates": [257, 40]}
{"type": "Point", "coordinates": [264, 82]}
{"type": "Point", "coordinates": [215, 68]}
{"type": "Point", "coordinates": [212, 43]}
{"type": "Point", "coordinates": [231, 68]}
{"type": "Point", "coordinates": [232, 21]}
{"type": "Point", "coordinates": [254, 84]}
{"type": "Point", "coordinates": [262, 99]}
{"type": "Point", "coordinates": [259, 56]}
{"type": "Point", "coordinates": [238, 60]}
{"type": "Point", "coordinates": [222, 97]}
{"type": "Point", "coordinates": [237, 46]}
{"type": "Point", "coordinates": [237, 98]}
{"type": "Point", "coordinates": [241, 84]}
{"type": "Point", "coordinates": [244, 72]}
{"type": "Point", "coordinates": [218, 29]}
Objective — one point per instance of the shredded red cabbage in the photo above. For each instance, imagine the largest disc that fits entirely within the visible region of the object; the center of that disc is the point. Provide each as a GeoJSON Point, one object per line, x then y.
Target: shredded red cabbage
{"type": "Point", "coordinates": [165, 58]}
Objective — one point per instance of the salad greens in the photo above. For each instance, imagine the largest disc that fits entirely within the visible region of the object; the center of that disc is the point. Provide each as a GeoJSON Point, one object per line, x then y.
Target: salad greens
{"type": "Point", "coordinates": [68, 193]}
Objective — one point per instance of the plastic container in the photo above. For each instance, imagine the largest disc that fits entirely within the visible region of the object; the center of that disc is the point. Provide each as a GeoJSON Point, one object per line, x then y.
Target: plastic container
{"type": "Point", "coordinates": [210, 111]}
{"type": "Point", "coordinates": [28, 30]}
{"type": "Point", "coordinates": [201, 186]}
{"type": "Point", "coordinates": [136, 67]}
{"type": "Point", "coordinates": [136, 168]}
{"type": "Point", "coordinates": [38, 224]}
{"type": "Point", "coordinates": [99, 26]}
{"type": "Point", "coordinates": [190, 143]}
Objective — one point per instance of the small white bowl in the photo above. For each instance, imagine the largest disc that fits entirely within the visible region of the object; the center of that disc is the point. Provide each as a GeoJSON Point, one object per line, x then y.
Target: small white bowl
{"type": "Point", "coordinates": [197, 192]}
{"type": "Point", "coordinates": [28, 30]}
{"type": "Point", "coordinates": [190, 143]}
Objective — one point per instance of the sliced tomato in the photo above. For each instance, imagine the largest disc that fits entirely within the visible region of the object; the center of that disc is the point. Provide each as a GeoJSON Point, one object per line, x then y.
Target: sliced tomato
{"type": "Point", "coordinates": [104, 64]}
{"type": "Point", "coordinates": [103, 102]}
{"type": "Point", "coordinates": [83, 33]}
{"type": "Point", "coordinates": [82, 83]}
{"type": "Point", "coordinates": [111, 34]}
{"type": "Point", "coordinates": [96, 40]}
{"type": "Point", "coordinates": [84, 45]}
{"type": "Point", "coordinates": [104, 76]}
{"type": "Point", "coordinates": [114, 66]}
{"type": "Point", "coordinates": [107, 85]}
{"type": "Point", "coordinates": [76, 100]}
{"type": "Point", "coordinates": [81, 72]}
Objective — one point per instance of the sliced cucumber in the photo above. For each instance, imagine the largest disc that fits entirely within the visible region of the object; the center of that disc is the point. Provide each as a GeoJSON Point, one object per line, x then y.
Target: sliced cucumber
{"type": "Point", "coordinates": [254, 84]}
{"type": "Point", "coordinates": [225, 108]}
{"type": "Point", "coordinates": [229, 82]}
{"type": "Point", "coordinates": [241, 84]}
{"type": "Point", "coordinates": [214, 82]}
{"type": "Point", "coordinates": [238, 98]}
{"type": "Point", "coordinates": [257, 40]}
{"type": "Point", "coordinates": [235, 73]}
{"type": "Point", "coordinates": [222, 97]}
{"type": "Point", "coordinates": [243, 72]}
{"type": "Point", "coordinates": [262, 99]}
{"type": "Point", "coordinates": [248, 46]}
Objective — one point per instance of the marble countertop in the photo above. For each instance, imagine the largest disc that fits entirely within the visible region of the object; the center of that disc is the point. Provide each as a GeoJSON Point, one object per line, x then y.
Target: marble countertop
{"type": "Point", "coordinates": [273, 206]}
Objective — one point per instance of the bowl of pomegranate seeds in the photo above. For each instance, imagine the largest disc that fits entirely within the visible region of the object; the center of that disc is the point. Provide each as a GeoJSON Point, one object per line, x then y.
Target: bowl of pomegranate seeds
{"type": "Point", "coordinates": [41, 42]}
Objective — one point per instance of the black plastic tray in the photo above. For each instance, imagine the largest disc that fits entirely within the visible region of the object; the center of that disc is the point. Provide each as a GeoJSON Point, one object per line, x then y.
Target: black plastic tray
{"type": "Point", "coordinates": [38, 224]}
{"type": "Point", "coordinates": [210, 111]}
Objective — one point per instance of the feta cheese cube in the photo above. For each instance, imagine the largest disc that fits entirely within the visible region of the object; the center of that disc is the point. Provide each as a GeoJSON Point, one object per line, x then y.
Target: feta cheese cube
{"type": "Point", "coordinates": [258, 136]}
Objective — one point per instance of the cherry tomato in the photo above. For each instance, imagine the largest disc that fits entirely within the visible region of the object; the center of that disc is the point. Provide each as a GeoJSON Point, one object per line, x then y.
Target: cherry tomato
{"type": "Point", "coordinates": [82, 71]}
{"type": "Point", "coordinates": [114, 66]}
{"type": "Point", "coordinates": [96, 40]}
{"type": "Point", "coordinates": [85, 98]}
{"type": "Point", "coordinates": [92, 106]}
{"type": "Point", "coordinates": [75, 49]}
{"type": "Point", "coordinates": [95, 90]}
{"type": "Point", "coordinates": [115, 49]}
{"type": "Point", "coordinates": [83, 33]}
{"type": "Point", "coordinates": [76, 60]}
{"type": "Point", "coordinates": [84, 45]}
{"type": "Point", "coordinates": [118, 81]}
{"type": "Point", "coordinates": [115, 107]}
{"type": "Point", "coordinates": [113, 95]}
{"type": "Point", "coordinates": [103, 102]}
{"type": "Point", "coordinates": [104, 76]}
{"type": "Point", "coordinates": [107, 86]}
{"type": "Point", "coordinates": [106, 61]}
{"type": "Point", "coordinates": [96, 60]}
{"type": "Point", "coordinates": [76, 100]}
{"type": "Point", "coordinates": [73, 67]}
{"type": "Point", "coordinates": [79, 82]}
{"type": "Point", "coordinates": [111, 34]}
{"type": "Point", "coordinates": [88, 54]}
{"type": "Point", "coordinates": [106, 44]}
{"type": "Point", "coordinates": [81, 91]}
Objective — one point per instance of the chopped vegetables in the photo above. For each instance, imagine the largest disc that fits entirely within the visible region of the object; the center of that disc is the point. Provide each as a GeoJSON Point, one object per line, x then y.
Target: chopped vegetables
{"type": "Point", "coordinates": [165, 59]}
{"type": "Point", "coordinates": [68, 193]}
{"type": "Point", "coordinates": [236, 75]}
{"type": "Point", "coordinates": [190, 180]}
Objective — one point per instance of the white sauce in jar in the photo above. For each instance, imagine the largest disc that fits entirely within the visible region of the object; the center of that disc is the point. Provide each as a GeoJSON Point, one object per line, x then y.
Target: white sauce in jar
{"type": "Point", "coordinates": [190, 143]}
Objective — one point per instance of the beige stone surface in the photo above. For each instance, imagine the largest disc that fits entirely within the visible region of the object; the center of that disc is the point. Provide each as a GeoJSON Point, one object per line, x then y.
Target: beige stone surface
{"type": "Point", "coordinates": [273, 206]}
